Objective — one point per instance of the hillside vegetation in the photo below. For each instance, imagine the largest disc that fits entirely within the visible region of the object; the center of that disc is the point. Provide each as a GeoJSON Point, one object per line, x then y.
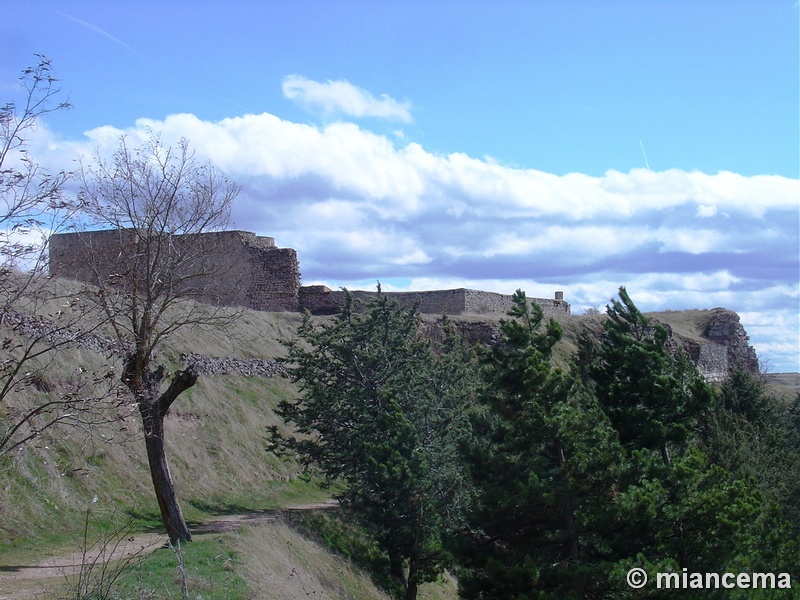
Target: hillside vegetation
{"type": "Point", "coordinates": [73, 485]}
{"type": "Point", "coordinates": [216, 443]}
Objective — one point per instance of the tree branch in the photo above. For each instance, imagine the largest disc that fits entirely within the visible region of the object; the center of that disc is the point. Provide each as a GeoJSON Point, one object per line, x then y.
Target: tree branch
{"type": "Point", "coordinates": [181, 382]}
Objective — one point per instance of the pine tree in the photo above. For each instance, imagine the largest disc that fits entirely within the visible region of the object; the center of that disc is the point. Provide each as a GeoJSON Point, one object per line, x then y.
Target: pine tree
{"type": "Point", "coordinates": [652, 393]}
{"type": "Point", "coordinates": [753, 435]}
{"type": "Point", "coordinates": [677, 507]}
{"type": "Point", "coordinates": [543, 460]}
{"type": "Point", "coordinates": [380, 414]}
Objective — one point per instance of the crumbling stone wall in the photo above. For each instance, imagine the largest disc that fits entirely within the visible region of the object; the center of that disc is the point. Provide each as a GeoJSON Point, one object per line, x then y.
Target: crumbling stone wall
{"type": "Point", "coordinates": [482, 303]}
{"type": "Point", "coordinates": [320, 300]}
{"type": "Point", "coordinates": [711, 359]}
{"type": "Point", "coordinates": [229, 268]}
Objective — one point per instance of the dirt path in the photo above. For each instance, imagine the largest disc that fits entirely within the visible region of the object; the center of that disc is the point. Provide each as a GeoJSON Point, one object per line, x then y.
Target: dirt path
{"type": "Point", "coordinates": [26, 582]}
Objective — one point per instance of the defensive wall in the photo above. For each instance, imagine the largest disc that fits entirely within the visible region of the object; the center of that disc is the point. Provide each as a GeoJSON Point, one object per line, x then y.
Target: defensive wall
{"type": "Point", "coordinates": [730, 347]}
{"type": "Point", "coordinates": [240, 268]}
{"type": "Point", "coordinates": [320, 300]}
{"type": "Point", "coordinates": [228, 268]}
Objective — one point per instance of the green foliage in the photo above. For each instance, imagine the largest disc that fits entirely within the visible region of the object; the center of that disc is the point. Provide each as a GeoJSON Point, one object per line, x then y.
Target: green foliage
{"type": "Point", "coordinates": [381, 413]}
{"type": "Point", "coordinates": [582, 475]}
{"type": "Point", "coordinates": [654, 396]}
{"type": "Point", "coordinates": [542, 458]}
{"type": "Point", "coordinates": [756, 437]}
{"type": "Point", "coordinates": [694, 508]}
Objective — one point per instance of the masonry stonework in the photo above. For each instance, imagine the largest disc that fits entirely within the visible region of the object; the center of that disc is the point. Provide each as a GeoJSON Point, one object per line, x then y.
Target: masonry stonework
{"type": "Point", "coordinates": [229, 268]}
{"type": "Point", "coordinates": [321, 300]}
{"type": "Point", "coordinates": [240, 268]}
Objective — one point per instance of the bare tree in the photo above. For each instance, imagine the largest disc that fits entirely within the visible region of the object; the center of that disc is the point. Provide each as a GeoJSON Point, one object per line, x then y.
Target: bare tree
{"type": "Point", "coordinates": [32, 207]}
{"type": "Point", "coordinates": [30, 196]}
{"type": "Point", "coordinates": [159, 203]}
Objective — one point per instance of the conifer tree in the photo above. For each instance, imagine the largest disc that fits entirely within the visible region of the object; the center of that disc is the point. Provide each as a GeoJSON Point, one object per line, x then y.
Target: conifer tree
{"type": "Point", "coordinates": [543, 461]}
{"type": "Point", "coordinates": [676, 507]}
{"type": "Point", "coordinates": [380, 414]}
{"type": "Point", "coordinates": [652, 392]}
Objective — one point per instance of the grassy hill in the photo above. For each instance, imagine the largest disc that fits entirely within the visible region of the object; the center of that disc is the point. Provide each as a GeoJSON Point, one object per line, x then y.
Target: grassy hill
{"type": "Point", "coordinates": [79, 485]}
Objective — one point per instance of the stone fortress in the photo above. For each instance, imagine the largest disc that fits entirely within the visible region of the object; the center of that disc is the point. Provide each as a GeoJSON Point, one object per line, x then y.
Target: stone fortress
{"type": "Point", "coordinates": [251, 271]}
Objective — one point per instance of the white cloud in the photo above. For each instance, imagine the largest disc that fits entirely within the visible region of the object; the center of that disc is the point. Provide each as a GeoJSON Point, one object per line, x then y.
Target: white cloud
{"type": "Point", "coordinates": [360, 207]}
{"type": "Point", "coordinates": [342, 97]}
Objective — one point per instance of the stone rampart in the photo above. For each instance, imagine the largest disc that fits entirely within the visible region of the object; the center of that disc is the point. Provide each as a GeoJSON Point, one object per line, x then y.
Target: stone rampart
{"type": "Point", "coordinates": [320, 300]}
{"type": "Point", "coordinates": [239, 268]}
{"type": "Point", "coordinates": [725, 329]}
{"type": "Point", "coordinates": [711, 359]}
{"type": "Point", "coordinates": [229, 268]}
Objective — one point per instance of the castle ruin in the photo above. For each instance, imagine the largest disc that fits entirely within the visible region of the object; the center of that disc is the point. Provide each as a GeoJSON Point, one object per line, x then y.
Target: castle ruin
{"type": "Point", "coordinates": [240, 268]}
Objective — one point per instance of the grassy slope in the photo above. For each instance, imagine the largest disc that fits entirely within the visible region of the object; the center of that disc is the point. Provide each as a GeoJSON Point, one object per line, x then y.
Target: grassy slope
{"type": "Point", "coordinates": [215, 443]}
{"type": "Point", "coordinates": [218, 459]}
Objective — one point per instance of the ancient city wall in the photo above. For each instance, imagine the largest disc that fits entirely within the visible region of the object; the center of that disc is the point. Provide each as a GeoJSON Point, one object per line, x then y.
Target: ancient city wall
{"type": "Point", "coordinates": [483, 303]}
{"type": "Point", "coordinates": [320, 300]}
{"type": "Point", "coordinates": [230, 268]}
{"type": "Point", "coordinates": [724, 328]}
{"type": "Point", "coordinates": [239, 268]}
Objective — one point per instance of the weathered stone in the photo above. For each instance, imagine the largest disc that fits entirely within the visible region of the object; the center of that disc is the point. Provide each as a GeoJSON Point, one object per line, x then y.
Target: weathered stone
{"type": "Point", "coordinates": [320, 300]}
{"type": "Point", "coordinates": [228, 268]}
{"type": "Point", "coordinates": [725, 329]}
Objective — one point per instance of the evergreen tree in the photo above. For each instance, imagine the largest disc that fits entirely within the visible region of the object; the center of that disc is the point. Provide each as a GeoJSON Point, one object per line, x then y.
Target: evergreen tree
{"type": "Point", "coordinates": [677, 507]}
{"type": "Point", "coordinates": [652, 393]}
{"type": "Point", "coordinates": [754, 436]}
{"type": "Point", "coordinates": [543, 460]}
{"type": "Point", "coordinates": [380, 414]}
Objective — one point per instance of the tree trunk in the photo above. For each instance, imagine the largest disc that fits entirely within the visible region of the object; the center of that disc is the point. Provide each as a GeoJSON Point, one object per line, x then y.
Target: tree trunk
{"type": "Point", "coordinates": [413, 574]}
{"type": "Point", "coordinates": [163, 486]}
{"type": "Point", "coordinates": [153, 408]}
{"type": "Point", "coordinates": [397, 569]}
{"type": "Point", "coordinates": [665, 455]}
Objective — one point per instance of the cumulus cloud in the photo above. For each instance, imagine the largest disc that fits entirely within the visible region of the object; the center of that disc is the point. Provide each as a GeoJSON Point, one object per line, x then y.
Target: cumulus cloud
{"type": "Point", "coordinates": [360, 207]}
{"type": "Point", "coordinates": [342, 97]}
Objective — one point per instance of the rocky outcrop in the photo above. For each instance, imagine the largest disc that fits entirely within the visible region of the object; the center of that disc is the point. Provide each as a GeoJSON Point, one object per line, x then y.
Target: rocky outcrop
{"type": "Point", "coordinates": [725, 329]}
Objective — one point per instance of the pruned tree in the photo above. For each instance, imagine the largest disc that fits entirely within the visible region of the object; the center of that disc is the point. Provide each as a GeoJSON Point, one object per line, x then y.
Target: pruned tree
{"type": "Point", "coordinates": [32, 207]}
{"type": "Point", "coordinates": [158, 202]}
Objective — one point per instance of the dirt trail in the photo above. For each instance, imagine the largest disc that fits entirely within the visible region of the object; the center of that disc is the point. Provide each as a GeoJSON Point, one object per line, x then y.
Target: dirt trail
{"type": "Point", "coordinates": [26, 582]}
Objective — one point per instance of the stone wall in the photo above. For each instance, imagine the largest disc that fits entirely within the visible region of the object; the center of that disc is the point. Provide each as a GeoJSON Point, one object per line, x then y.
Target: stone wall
{"type": "Point", "coordinates": [320, 300]}
{"type": "Point", "coordinates": [491, 303]}
{"type": "Point", "coordinates": [230, 268]}
{"type": "Point", "coordinates": [711, 359]}
{"type": "Point", "coordinates": [722, 347]}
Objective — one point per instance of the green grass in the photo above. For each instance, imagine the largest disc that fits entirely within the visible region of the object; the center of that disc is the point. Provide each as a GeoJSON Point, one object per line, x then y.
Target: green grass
{"type": "Point", "coordinates": [209, 572]}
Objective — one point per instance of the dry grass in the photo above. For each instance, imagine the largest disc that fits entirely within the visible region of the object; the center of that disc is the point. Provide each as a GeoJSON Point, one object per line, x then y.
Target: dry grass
{"type": "Point", "coordinates": [784, 385]}
{"type": "Point", "coordinates": [215, 438]}
{"type": "Point", "coordinates": [280, 564]}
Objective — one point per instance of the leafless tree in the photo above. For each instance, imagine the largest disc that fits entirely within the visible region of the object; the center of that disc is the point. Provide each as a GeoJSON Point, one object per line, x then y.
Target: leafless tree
{"type": "Point", "coordinates": [159, 203]}
{"type": "Point", "coordinates": [34, 322]}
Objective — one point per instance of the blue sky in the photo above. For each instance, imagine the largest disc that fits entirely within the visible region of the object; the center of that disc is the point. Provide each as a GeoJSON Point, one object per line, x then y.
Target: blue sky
{"type": "Point", "coordinates": [575, 145]}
